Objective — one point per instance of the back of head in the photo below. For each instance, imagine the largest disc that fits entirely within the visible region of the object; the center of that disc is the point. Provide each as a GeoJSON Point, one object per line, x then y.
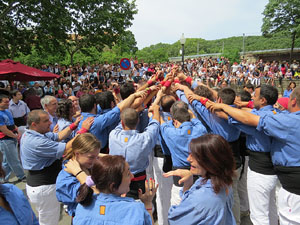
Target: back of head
{"type": "Point", "coordinates": [227, 95]}
{"type": "Point", "coordinates": [126, 90]}
{"type": "Point", "coordinates": [46, 100]}
{"type": "Point", "coordinates": [35, 116]}
{"type": "Point", "coordinates": [83, 143]}
{"type": "Point", "coordinates": [107, 174]}
{"type": "Point", "coordinates": [214, 154]}
{"type": "Point", "coordinates": [166, 102]}
{"type": "Point", "coordinates": [249, 87]}
{"type": "Point", "coordinates": [104, 99]}
{"type": "Point", "coordinates": [204, 91]}
{"type": "Point", "coordinates": [64, 109]}
{"type": "Point", "coordinates": [87, 102]}
{"type": "Point", "coordinates": [130, 118]}
{"type": "Point", "coordinates": [245, 96]}
{"type": "Point", "coordinates": [270, 93]}
{"type": "Point", "coordinates": [179, 111]}
{"type": "Point", "coordinates": [296, 94]}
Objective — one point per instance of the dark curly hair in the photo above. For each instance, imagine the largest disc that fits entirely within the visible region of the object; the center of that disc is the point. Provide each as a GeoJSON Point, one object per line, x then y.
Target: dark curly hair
{"type": "Point", "coordinates": [64, 109]}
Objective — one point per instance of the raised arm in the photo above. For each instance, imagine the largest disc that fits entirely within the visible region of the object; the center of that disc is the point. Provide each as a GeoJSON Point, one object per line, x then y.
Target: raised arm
{"type": "Point", "coordinates": [238, 114]}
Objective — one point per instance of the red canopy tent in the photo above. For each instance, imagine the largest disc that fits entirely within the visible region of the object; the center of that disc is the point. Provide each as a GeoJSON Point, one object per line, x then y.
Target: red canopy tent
{"type": "Point", "coordinates": [16, 71]}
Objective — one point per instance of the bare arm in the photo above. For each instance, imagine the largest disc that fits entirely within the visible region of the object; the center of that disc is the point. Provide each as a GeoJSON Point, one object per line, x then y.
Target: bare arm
{"type": "Point", "coordinates": [128, 101]}
{"type": "Point", "coordinates": [8, 132]}
{"type": "Point", "coordinates": [238, 114]}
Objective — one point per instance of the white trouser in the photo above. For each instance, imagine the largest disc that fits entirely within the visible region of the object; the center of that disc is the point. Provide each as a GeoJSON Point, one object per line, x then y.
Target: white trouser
{"type": "Point", "coordinates": [163, 194]}
{"type": "Point", "coordinates": [236, 199]}
{"type": "Point", "coordinates": [261, 195]}
{"type": "Point", "coordinates": [288, 208]}
{"type": "Point", "coordinates": [175, 195]}
{"type": "Point", "coordinates": [242, 188]}
{"type": "Point", "coordinates": [46, 204]}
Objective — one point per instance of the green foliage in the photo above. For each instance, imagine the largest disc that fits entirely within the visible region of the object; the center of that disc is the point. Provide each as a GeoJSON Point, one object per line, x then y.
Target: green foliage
{"type": "Point", "coordinates": [232, 54]}
{"type": "Point", "coordinates": [282, 16]}
{"type": "Point", "coordinates": [63, 26]}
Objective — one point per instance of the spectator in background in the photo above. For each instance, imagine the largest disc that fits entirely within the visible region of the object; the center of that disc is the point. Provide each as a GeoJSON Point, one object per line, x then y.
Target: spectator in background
{"type": "Point", "coordinates": [289, 89]}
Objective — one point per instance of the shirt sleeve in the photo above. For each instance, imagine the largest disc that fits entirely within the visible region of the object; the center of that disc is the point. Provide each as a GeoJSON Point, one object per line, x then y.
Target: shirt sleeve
{"type": "Point", "coordinates": [203, 111]}
{"type": "Point", "coordinates": [107, 119]}
{"type": "Point", "coordinates": [152, 131]}
{"type": "Point", "coordinates": [249, 130]}
{"type": "Point", "coordinates": [50, 149]}
{"type": "Point", "coordinates": [66, 187]}
{"type": "Point", "coordinates": [277, 126]}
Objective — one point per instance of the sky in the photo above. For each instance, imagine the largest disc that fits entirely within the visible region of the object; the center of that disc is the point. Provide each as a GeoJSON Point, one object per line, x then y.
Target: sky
{"type": "Point", "coordinates": [165, 20]}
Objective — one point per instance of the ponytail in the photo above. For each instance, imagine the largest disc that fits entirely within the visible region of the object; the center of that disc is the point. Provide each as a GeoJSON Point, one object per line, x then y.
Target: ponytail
{"type": "Point", "coordinates": [84, 195]}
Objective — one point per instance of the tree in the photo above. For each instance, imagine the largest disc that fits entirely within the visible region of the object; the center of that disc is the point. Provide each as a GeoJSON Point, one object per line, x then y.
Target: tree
{"type": "Point", "coordinates": [57, 26]}
{"type": "Point", "coordinates": [97, 23]}
{"type": "Point", "coordinates": [282, 16]}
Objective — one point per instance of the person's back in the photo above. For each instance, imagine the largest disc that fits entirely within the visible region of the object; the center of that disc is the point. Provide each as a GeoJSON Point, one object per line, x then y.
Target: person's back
{"type": "Point", "coordinates": [114, 210]}
{"type": "Point", "coordinates": [215, 209]}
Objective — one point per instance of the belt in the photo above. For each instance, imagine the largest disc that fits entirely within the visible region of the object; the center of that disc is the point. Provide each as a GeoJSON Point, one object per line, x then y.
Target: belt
{"type": "Point", "coordinates": [139, 176]}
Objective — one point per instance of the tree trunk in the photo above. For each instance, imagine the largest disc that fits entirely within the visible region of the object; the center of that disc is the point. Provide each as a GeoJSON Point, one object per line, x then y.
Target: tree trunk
{"type": "Point", "coordinates": [72, 57]}
{"type": "Point", "coordinates": [292, 48]}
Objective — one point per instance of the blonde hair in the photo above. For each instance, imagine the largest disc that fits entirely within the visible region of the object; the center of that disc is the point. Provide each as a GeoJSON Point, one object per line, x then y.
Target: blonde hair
{"type": "Point", "coordinates": [83, 143]}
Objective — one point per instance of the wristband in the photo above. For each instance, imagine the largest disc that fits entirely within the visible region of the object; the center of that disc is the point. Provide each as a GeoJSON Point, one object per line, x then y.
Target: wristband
{"type": "Point", "coordinates": [189, 80]}
{"type": "Point", "coordinates": [250, 105]}
{"type": "Point", "coordinates": [203, 101]}
{"type": "Point", "coordinates": [162, 83]}
{"type": "Point", "coordinates": [78, 173]}
{"type": "Point", "coordinates": [167, 83]}
{"type": "Point", "coordinates": [73, 126]}
{"type": "Point", "coordinates": [176, 81]}
{"type": "Point", "coordinates": [150, 209]}
{"type": "Point", "coordinates": [149, 82]}
{"type": "Point", "coordinates": [82, 131]}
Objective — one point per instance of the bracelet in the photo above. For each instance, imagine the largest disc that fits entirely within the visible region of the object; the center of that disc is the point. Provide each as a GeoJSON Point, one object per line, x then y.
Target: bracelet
{"type": "Point", "coordinates": [167, 83]}
{"type": "Point", "coordinates": [203, 101]}
{"type": "Point", "coordinates": [149, 82]}
{"type": "Point", "coordinates": [82, 131]}
{"type": "Point", "coordinates": [73, 126]}
{"type": "Point", "coordinates": [189, 80]}
{"type": "Point", "coordinates": [78, 173]}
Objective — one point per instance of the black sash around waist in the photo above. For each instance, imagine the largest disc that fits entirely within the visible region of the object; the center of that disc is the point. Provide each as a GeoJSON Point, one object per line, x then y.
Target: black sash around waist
{"type": "Point", "coordinates": [235, 146]}
{"type": "Point", "coordinates": [261, 162]}
{"type": "Point", "coordinates": [289, 177]}
{"type": "Point", "coordinates": [158, 151]}
{"type": "Point", "coordinates": [20, 121]}
{"type": "Point", "coordinates": [45, 176]}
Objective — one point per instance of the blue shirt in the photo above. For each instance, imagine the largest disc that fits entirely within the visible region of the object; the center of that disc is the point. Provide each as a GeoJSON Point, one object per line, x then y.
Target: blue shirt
{"type": "Point", "coordinates": [40, 150]}
{"type": "Point", "coordinates": [18, 110]}
{"type": "Point", "coordinates": [216, 124]}
{"type": "Point", "coordinates": [53, 121]}
{"type": "Point", "coordinates": [287, 93]}
{"type": "Point", "coordinates": [166, 116]}
{"type": "Point", "coordinates": [256, 140]}
{"type": "Point", "coordinates": [284, 128]}
{"type": "Point", "coordinates": [201, 205]}
{"type": "Point", "coordinates": [135, 147]}
{"type": "Point", "coordinates": [22, 212]}
{"type": "Point", "coordinates": [116, 210]}
{"type": "Point", "coordinates": [66, 189]}
{"type": "Point", "coordinates": [62, 124]}
{"type": "Point", "coordinates": [6, 118]}
{"type": "Point", "coordinates": [101, 122]}
{"type": "Point", "coordinates": [178, 139]}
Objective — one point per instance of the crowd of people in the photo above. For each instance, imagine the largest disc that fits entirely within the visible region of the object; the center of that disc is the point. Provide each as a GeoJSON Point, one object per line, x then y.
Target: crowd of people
{"type": "Point", "coordinates": [103, 143]}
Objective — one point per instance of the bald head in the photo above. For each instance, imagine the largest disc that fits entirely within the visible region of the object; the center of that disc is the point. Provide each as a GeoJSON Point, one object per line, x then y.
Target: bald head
{"type": "Point", "coordinates": [130, 118]}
